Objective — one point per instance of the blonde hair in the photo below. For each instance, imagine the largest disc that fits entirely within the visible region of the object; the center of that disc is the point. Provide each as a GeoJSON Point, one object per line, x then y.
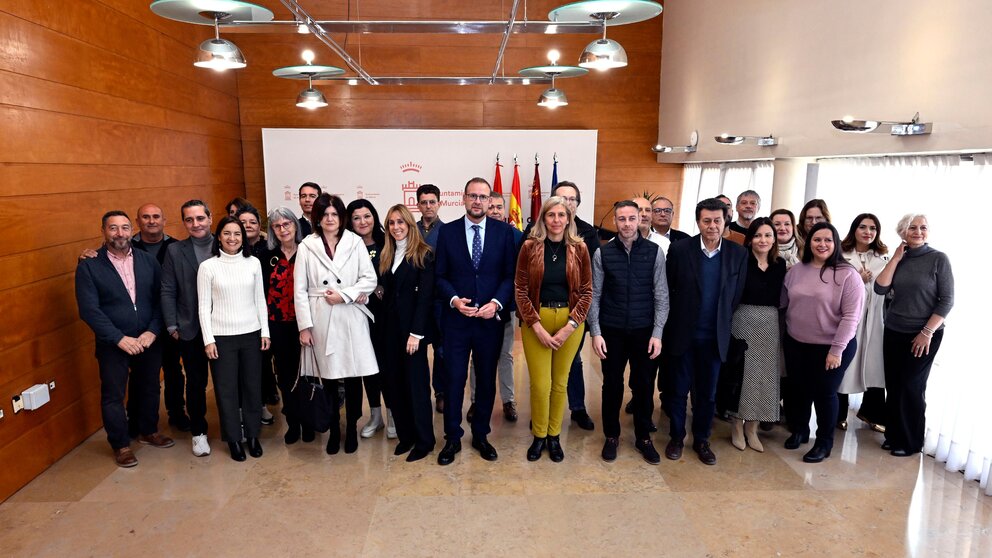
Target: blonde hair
{"type": "Point", "coordinates": [416, 248]}
{"type": "Point", "coordinates": [540, 230]}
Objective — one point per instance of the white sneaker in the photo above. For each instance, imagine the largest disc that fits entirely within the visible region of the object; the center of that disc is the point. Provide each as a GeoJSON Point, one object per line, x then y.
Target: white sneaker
{"type": "Point", "coordinates": [200, 446]}
{"type": "Point", "coordinates": [267, 418]}
{"type": "Point", "coordinates": [374, 424]}
{"type": "Point", "coordinates": [391, 429]}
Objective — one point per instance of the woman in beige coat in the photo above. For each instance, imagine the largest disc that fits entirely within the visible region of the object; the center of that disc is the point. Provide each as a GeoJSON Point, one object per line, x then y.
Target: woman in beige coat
{"type": "Point", "coordinates": [333, 279]}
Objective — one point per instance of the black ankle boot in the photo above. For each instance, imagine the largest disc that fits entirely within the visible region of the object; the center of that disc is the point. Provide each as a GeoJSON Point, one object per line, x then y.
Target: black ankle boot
{"type": "Point", "coordinates": [534, 453]}
{"type": "Point", "coordinates": [237, 451]}
{"type": "Point", "coordinates": [254, 447]}
{"type": "Point", "coordinates": [292, 434]}
{"type": "Point", "coordinates": [351, 439]}
{"type": "Point", "coordinates": [308, 435]}
{"type": "Point", "coordinates": [554, 449]}
{"type": "Point", "coordinates": [333, 440]}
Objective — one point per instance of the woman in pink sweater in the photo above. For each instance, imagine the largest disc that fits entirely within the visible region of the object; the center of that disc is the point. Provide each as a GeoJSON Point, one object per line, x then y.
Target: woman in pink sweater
{"type": "Point", "coordinates": [822, 298]}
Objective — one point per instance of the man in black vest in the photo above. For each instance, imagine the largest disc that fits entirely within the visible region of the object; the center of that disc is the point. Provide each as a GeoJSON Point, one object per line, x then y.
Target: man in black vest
{"type": "Point", "coordinates": [705, 280]}
{"type": "Point", "coordinates": [627, 316]}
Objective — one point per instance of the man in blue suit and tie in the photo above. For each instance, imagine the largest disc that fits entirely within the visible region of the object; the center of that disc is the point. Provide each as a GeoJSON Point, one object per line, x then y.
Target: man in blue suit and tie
{"type": "Point", "coordinates": [475, 265]}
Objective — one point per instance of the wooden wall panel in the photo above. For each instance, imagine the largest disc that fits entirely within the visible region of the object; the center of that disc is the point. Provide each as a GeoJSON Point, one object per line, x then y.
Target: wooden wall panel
{"type": "Point", "coordinates": [621, 104]}
{"type": "Point", "coordinates": [100, 108]}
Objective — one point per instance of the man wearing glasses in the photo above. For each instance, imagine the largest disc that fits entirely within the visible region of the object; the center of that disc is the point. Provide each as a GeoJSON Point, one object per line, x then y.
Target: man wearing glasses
{"type": "Point", "coordinates": [662, 211]}
{"type": "Point", "coordinates": [474, 271]}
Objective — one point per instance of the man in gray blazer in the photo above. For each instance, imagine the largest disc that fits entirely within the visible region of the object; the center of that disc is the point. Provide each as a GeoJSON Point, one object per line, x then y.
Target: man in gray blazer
{"type": "Point", "coordinates": [179, 311]}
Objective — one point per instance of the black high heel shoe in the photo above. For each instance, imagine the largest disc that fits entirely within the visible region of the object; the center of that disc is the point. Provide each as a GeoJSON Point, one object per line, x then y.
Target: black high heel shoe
{"type": "Point", "coordinates": [254, 448]}
{"type": "Point", "coordinates": [237, 451]}
{"type": "Point", "coordinates": [536, 448]}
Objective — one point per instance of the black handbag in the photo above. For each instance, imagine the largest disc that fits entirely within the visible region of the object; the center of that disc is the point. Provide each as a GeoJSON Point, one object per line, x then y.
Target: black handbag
{"type": "Point", "coordinates": [311, 403]}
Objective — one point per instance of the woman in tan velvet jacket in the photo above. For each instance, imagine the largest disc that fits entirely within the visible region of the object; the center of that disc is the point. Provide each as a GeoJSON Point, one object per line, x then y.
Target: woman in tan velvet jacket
{"type": "Point", "coordinates": [553, 288]}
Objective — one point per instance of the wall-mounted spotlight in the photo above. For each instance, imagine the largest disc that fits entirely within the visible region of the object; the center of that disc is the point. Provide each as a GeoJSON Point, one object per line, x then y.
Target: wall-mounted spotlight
{"type": "Point", "coordinates": [761, 141]}
{"type": "Point", "coordinates": [691, 148]}
{"type": "Point", "coordinates": [912, 128]}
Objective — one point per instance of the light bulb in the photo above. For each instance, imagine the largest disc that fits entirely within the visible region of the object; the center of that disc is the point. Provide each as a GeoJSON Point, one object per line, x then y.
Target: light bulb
{"type": "Point", "coordinates": [308, 56]}
{"type": "Point", "coordinates": [554, 55]}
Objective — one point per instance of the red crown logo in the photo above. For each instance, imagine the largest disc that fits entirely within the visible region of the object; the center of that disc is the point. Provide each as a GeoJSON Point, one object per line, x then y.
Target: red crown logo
{"type": "Point", "coordinates": [410, 167]}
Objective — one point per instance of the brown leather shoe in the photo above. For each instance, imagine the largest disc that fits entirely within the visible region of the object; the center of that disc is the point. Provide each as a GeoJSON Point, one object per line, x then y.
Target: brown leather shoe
{"type": "Point", "coordinates": [157, 440]}
{"type": "Point", "coordinates": [510, 411]}
{"type": "Point", "coordinates": [125, 457]}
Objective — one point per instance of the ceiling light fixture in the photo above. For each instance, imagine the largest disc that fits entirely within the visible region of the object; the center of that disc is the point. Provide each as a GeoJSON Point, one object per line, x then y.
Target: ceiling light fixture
{"type": "Point", "coordinates": [912, 128]}
{"type": "Point", "coordinates": [219, 54]}
{"type": "Point", "coordinates": [761, 141]}
{"type": "Point", "coordinates": [309, 98]}
{"type": "Point", "coordinates": [553, 98]}
{"type": "Point", "coordinates": [691, 148]}
{"type": "Point", "coordinates": [604, 54]}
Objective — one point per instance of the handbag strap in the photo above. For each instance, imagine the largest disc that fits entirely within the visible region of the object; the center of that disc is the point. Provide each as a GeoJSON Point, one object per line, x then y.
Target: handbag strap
{"type": "Point", "coordinates": [299, 369]}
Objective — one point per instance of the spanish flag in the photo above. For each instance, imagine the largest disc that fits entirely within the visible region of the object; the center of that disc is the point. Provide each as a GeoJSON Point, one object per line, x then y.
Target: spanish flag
{"type": "Point", "coordinates": [516, 215]}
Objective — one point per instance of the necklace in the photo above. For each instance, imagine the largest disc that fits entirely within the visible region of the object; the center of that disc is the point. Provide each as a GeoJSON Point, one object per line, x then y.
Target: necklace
{"type": "Point", "coordinates": [554, 251]}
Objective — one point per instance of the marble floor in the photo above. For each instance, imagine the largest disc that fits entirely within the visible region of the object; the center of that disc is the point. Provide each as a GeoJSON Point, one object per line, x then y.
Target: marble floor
{"type": "Point", "coordinates": [298, 501]}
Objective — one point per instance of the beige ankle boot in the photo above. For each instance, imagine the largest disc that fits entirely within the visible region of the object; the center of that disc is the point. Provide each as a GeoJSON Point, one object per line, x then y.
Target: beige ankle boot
{"type": "Point", "coordinates": [737, 434]}
{"type": "Point", "coordinates": [751, 433]}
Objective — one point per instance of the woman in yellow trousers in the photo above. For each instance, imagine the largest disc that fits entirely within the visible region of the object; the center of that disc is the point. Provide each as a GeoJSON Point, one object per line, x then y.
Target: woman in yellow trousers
{"type": "Point", "coordinates": [553, 288]}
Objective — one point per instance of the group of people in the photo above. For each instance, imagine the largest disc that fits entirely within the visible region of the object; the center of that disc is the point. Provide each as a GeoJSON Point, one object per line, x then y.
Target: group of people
{"type": "Point", "coordinates": [750, 316]}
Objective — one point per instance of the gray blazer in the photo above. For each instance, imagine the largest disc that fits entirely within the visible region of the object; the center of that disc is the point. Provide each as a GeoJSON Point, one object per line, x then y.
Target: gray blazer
{"type": "Point", "coordinates": [179, 302]}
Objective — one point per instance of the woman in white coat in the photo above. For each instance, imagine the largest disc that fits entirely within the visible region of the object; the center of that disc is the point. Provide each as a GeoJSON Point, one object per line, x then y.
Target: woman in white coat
{"type": "Point", "coordinates": [864, 249]}
{"type": "Point", "coordinates": [333, 278]}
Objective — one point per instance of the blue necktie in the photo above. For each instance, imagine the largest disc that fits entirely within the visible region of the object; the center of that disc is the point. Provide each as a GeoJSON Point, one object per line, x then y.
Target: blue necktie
{"type": "Point", "coordinates": [476, 248]}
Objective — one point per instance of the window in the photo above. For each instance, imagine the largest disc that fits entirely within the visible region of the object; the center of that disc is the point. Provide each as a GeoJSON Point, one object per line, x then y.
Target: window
{"type": "Point", "coordinates": [702, 181]}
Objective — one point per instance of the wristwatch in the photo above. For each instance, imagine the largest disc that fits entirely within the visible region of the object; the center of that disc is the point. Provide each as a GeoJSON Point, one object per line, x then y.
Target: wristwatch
{"type": "Point", "coordinates": [573, 323]}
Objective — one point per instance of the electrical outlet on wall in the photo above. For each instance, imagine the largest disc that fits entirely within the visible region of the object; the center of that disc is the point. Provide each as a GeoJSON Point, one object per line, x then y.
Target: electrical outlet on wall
{"type": "Point", "coordinates": [51, 385]}
{"type": "Point", "coordinates": [1, 414]}
{"type": "Point", "coordinates": [18, 404]}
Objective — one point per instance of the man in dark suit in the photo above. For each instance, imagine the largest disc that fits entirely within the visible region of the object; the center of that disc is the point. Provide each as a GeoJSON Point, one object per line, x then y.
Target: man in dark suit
{"type": "Point", "coordinates": [475, 269]}
{"type": "Point", "coordinates": [705, 281]}
{"type": "Point", "coordinates": [151, 238]}
{"type": "Point", "coordinates": [662, 211]}
{"type": "Point", "coordinates": [308, 193]}
{"type": "Point", "coordinates": [181, 315]}
{"type": "Point", "coordinates": [117, 293]}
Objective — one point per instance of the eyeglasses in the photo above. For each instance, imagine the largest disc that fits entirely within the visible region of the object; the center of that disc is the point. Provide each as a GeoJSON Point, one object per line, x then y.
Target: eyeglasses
{"type": "Point", "coordinates": [665, 210]}
{"type": "Point", "coordinates": [477, 197]}
{"type": "Point", "coordinates": [570, 199]}
{"type": "Point", "coordinates": [282, 226]}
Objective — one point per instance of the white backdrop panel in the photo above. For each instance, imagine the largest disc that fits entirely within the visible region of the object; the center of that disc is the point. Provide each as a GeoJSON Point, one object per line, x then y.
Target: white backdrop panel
{"type": "Point", "coordinates": [387, 166]}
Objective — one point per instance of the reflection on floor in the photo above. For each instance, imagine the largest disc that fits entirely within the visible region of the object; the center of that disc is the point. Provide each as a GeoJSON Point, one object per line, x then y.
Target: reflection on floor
{"type": "Point", "coordinates": [298, 501]}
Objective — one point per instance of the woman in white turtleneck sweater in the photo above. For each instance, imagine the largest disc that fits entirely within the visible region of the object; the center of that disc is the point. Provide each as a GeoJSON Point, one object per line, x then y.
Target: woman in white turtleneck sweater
{"type": "Point", "coordinates": [235, 326]}
{"type": "Point", "coordinates": [406, 270]}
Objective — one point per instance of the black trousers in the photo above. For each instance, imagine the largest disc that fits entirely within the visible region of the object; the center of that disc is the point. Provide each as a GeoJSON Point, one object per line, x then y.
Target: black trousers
{"type": "Point", "coordinates": [693, 375]}
{"type": "Point", "coordinates": [268, 376]}
{"type": "Point", "coordinates": [576, 388]}
{"type": "Point", "coordinates": [116, 369]}
{"type": "Point", "coordinates": [352, 402]}
{"type": "Point", "coordinates": [483, 340]}
{"type": "Point", "coordinates": [623, 346]}
{"type": "Point", "coordinates": [195, 364]}
{"type": "Point", "coordinates": [238, 369]}
{"type": "Point", "coordinates": [406, 385]}
{"type": "Point", "coordinates": [285, 350]}
{"type": "Point", "coordinates": [872, 405]}
{"type": "Point", "coordinates": [815, 386]}
{"type": "Point", "coordinates": [906, 381]}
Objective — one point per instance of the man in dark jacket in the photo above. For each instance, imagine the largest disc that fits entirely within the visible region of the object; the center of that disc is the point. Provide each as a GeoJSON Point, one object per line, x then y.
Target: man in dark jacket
{"type": "Point", "coordinates": [705, 280]}
{"type": "Point", "coordinates": [117, 293]}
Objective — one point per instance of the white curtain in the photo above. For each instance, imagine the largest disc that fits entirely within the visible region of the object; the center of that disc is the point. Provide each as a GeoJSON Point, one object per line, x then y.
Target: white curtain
{"type": "Point", "coordinates": [952, 194]}
{"type": "Point", "coordinates": [702, 181]}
